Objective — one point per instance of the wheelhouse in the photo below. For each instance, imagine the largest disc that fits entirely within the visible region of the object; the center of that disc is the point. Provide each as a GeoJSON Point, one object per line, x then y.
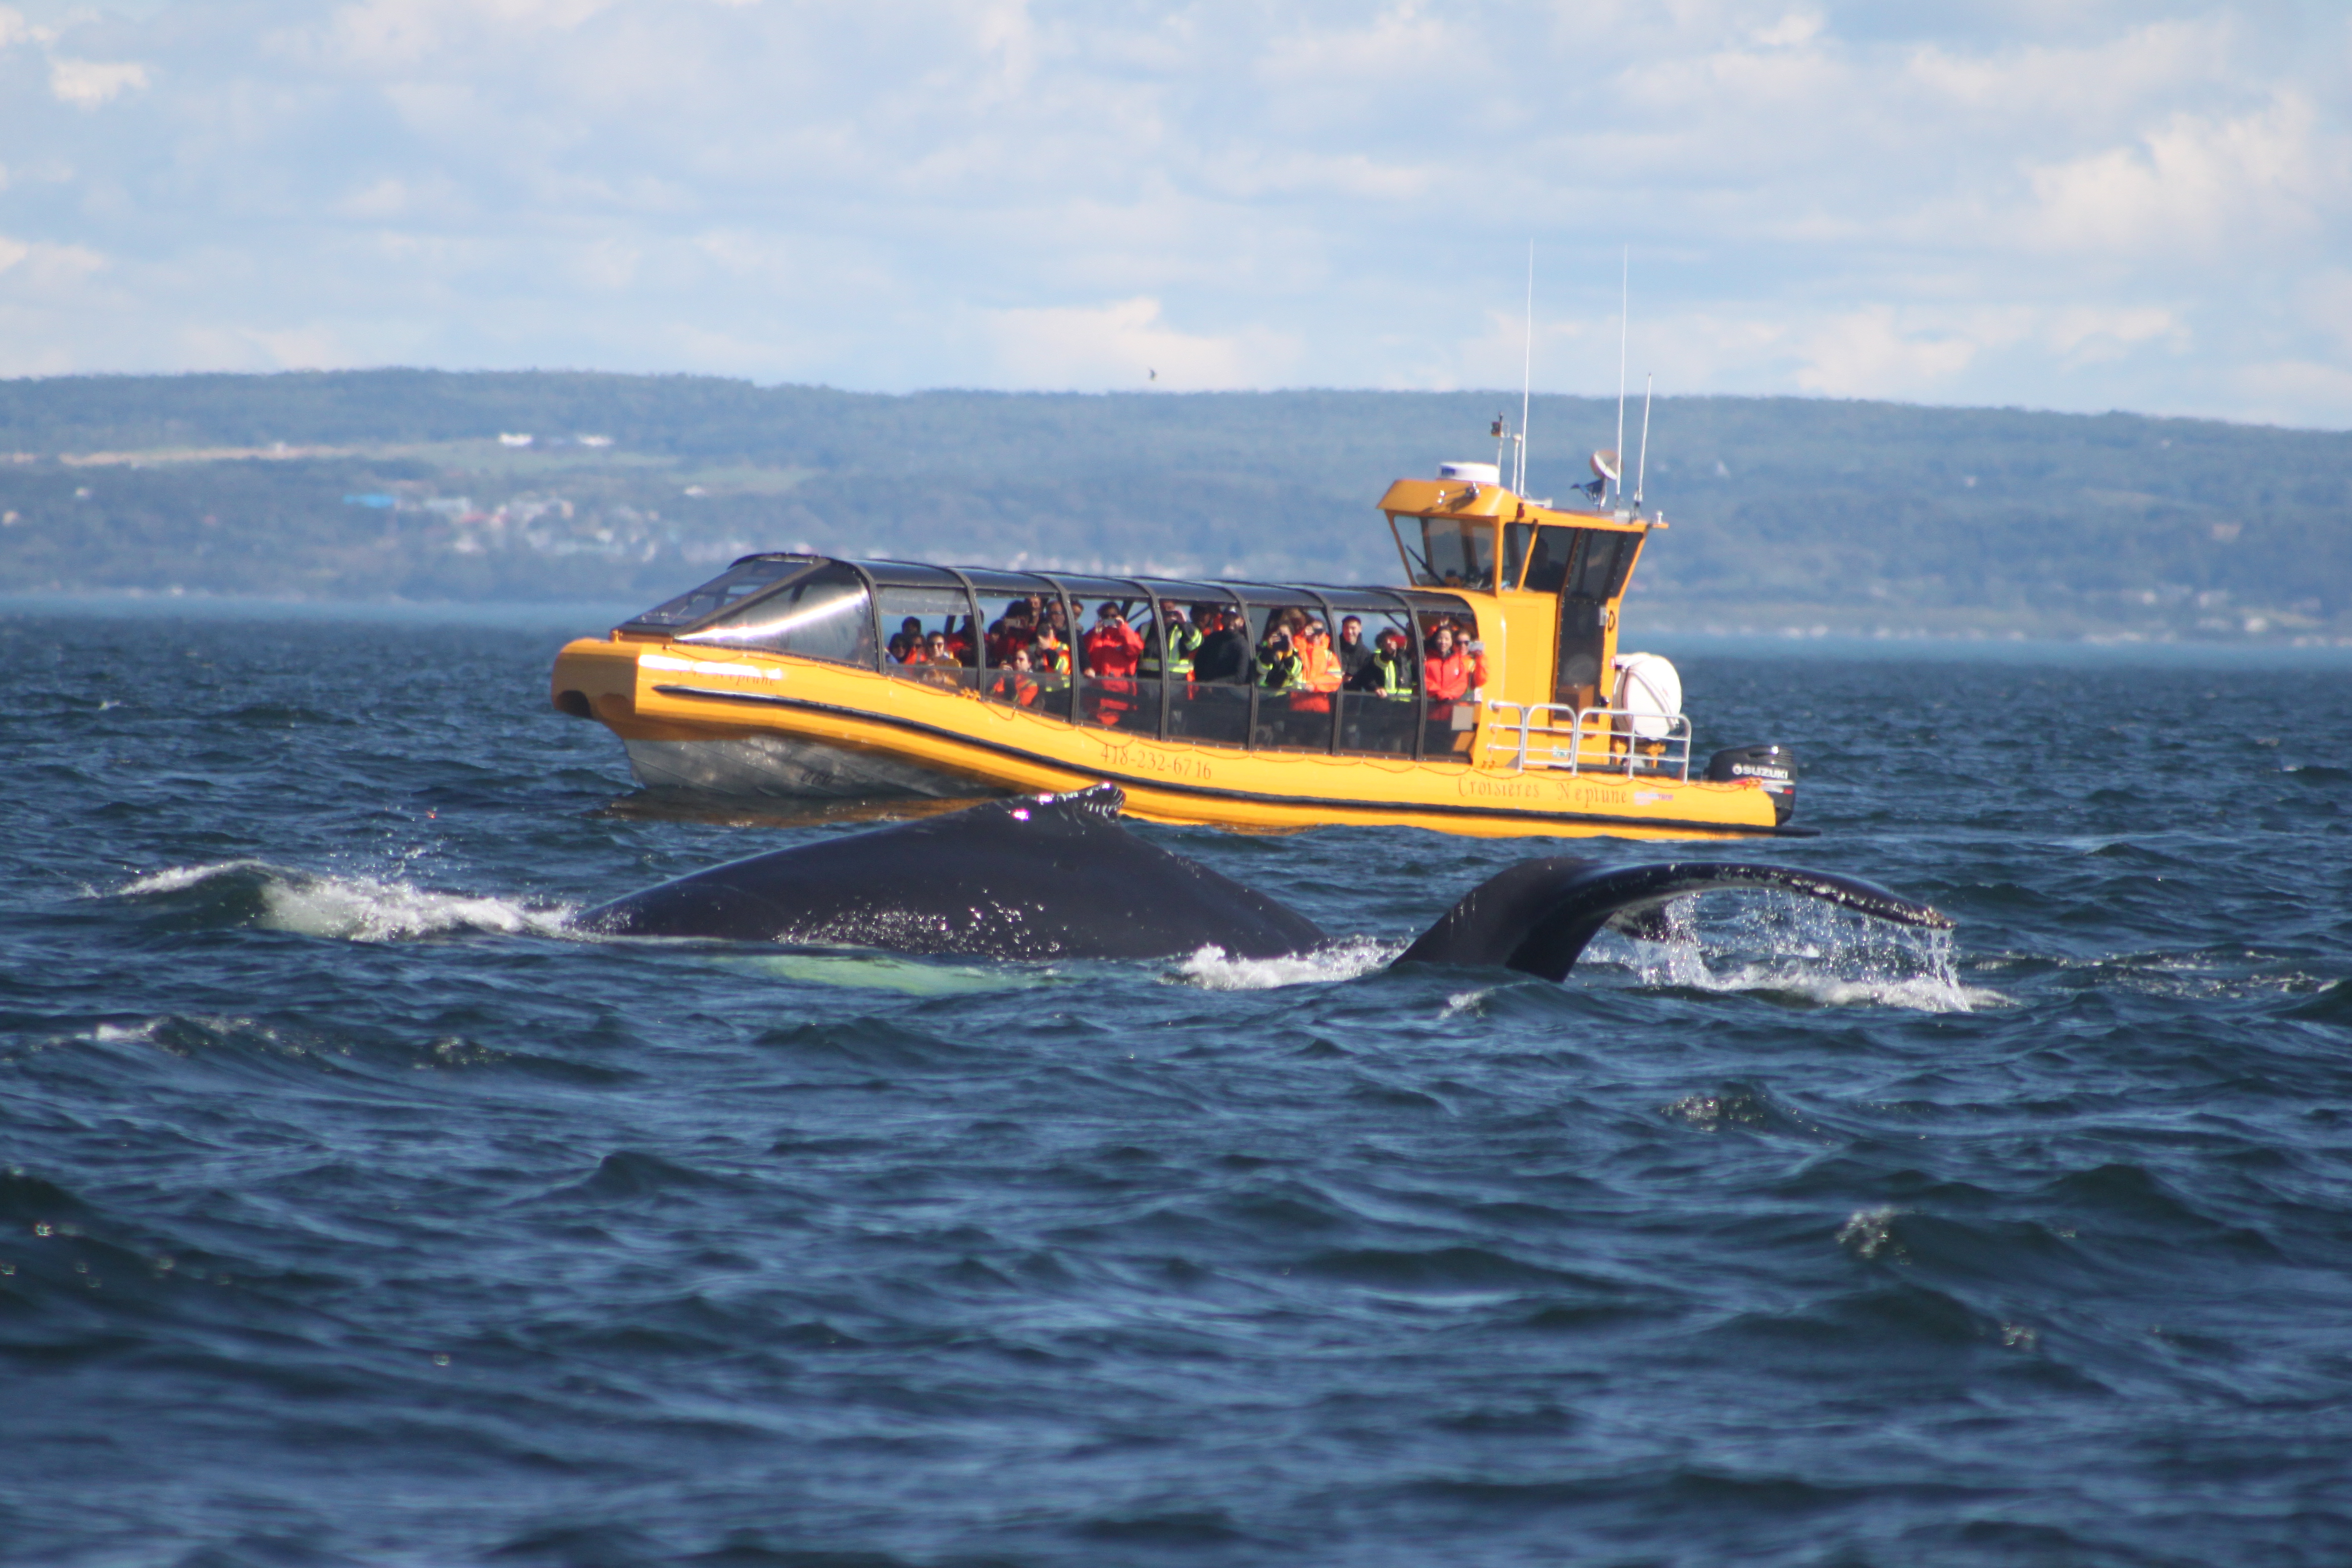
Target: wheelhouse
{"type": "Point", "coordinates": [1557, 576]}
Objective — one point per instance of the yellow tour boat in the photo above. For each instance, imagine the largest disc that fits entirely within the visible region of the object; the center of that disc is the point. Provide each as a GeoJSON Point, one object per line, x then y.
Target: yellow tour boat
{"type": "Point", "coordinates": [1488, 696]}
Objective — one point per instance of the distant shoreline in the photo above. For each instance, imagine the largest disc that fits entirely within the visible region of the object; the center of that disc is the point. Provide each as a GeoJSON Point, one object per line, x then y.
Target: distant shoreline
{"type": "Point", "coordinates": [591, 618]}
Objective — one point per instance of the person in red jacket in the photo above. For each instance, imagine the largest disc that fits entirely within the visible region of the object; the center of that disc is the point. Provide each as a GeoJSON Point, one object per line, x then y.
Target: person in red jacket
{"type": "Point", "coordinates": [1112, 650]}
{"type": "Point", "coordinates": [1451, 673]}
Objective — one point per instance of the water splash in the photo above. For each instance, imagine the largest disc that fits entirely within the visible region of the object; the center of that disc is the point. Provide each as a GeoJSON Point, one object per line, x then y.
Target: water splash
{"type": "Point", "coordinates": [344, 909]}
{"type": "Point", "coordinates": [1212, 969]}
{"type": "Point", "coordinates": [1788, 946]}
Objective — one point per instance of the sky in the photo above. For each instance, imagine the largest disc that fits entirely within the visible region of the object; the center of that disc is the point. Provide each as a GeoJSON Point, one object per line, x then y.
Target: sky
{"type": "Point", "coordinates": [2074, 204]}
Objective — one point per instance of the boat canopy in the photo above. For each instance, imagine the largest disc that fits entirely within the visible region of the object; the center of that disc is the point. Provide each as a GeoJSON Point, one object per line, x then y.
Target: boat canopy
{"type": "Point", "coordinates": [805, 604]}
{"type": "Point", "coordinates": [881, 615]}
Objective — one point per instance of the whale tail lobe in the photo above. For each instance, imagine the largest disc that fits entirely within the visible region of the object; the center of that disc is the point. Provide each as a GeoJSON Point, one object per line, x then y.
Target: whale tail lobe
{"type": "Point", "coordinates": [1537, 916]}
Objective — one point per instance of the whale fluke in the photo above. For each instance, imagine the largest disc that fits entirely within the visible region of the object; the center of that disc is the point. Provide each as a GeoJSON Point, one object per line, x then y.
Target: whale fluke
{"type": "Point", "coordinates": [1537, 916]}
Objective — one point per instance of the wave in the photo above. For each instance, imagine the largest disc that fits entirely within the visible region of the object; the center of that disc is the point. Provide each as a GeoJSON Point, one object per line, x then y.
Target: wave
{"type": "Point", "coordinates": [346, 908]}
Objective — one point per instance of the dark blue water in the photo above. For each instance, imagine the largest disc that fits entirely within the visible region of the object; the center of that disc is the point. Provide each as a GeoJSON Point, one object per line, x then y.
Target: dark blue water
{"type": "Point", "coordinates": [352, 1212]}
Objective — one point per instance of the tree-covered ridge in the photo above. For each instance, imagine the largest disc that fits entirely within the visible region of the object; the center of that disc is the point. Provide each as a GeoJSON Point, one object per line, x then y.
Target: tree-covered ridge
{"type": "Point", "coordinates": [382, 483]}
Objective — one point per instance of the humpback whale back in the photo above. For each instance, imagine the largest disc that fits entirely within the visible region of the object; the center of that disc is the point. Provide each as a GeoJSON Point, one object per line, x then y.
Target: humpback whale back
{"type": "Point", "coordinates": [1038, 877]}
{"type": "Point", "coordinates": [1537, 916]}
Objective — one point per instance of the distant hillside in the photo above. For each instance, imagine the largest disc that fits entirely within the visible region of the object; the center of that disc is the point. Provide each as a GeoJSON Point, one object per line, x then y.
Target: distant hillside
{"type": "Point", "coordinates": [1784, 511]}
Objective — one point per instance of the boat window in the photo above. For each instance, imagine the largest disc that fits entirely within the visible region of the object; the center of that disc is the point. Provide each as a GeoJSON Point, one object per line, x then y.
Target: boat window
{"type": "Point", "coordinates": [1456, 552]}
{"type": "Point", "coordinates": [1515, 538]}
{"type": "Point", "coordinates": [1380, 674]}
{"type": "Point", "coordinates": [1602, 561]}
{"type": "Point", "coordinates": [825, 614]}
{"type": "Point", "coordinates": [1214, 704]}
{"type": "Point", "coordinates": [756, 574]}
{"type": "Point", "coordinates": [911, 617]}
{"type": "Point", "coordinates": [1547, 560]}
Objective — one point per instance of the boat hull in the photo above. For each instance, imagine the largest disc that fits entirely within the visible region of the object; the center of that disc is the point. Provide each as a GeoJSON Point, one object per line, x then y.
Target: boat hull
{"type": "Point", "coordinates": [789, 767]}
{"type": "Point", "coordinates": [784, 728]}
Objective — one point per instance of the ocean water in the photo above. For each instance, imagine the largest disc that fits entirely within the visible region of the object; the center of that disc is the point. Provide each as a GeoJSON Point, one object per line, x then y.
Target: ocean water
{"type": "Point", "coordinates": [354, 1210]}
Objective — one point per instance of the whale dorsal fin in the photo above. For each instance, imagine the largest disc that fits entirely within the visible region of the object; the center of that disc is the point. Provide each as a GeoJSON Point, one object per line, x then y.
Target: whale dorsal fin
{"type": "Point", "coordinates": [1537, 916]}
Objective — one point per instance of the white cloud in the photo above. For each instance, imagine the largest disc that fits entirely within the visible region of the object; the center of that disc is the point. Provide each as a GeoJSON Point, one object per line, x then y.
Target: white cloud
{"type": "Point", "coordinates": [2086, 206]}
{"type": "Point", "coordinates": [2199, 181]}
{"type": "Point", "coordinates": [1125, 345]}
{"type": "Point", "coordinates": [87, 84]}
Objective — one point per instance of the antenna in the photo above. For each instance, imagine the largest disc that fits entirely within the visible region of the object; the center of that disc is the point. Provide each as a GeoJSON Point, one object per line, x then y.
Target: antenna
{"type": "Point", "coordinates": [1527, 375]}
{"type": "Point", "coordinates": [1624, 298]}
{"type": "Point", "coordinates": [1642, 464]}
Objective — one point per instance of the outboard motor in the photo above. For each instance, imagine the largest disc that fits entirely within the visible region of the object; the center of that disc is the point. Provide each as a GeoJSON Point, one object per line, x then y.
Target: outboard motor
{"type": "Point", "coordinates": [1774, 767]}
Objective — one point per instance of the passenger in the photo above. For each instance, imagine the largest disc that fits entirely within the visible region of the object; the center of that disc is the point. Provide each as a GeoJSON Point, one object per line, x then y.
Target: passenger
{"type": "Point", "coordinates": [1014, 629]}
{"type": "Point", "coordinates": [1112, 650]}
{"type": "Point", "coordinates": [911, 628]}
{"type": "Point", "coordinates": [1319, 674]}
{"type": "Point", "coordinates": [1179, 638]}
{"type": "Point", "coordinates": [963, 643]}
{"type": "Point", "coordinates": [899, 647]}
{"type": "Point", "coordinates": [1355, 653]}
{"type": "Point", "coordinates": [1279, 667]}
{"type": "Point", "coordinates": [1224, 655]}
{"type": "Point", "coordinates": [1050, 657]}
{"type": "Point", "coordinates": [1452, 673]}
{"type": "Point", "coordinates": [939, 660]}
{"type": "Point", "coordinates": [1017, 684]}
{"type": "Point", "coordinates": [1389, 673]}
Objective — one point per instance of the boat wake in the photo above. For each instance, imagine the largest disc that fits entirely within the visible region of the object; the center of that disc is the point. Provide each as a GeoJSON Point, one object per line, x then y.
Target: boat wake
{"type": "Point", "coordinates": [348, 909]}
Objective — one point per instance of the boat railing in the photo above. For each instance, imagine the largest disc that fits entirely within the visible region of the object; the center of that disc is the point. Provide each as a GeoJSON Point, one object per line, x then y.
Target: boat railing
{"type": "Point", "coordinates": [1547, 736]}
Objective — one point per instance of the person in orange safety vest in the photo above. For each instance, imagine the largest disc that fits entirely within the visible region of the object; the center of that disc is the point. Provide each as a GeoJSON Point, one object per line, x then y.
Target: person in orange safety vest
{"type": "Point", "coordinates": [1017, 684]}
{"type": "Point", "coordinates": [1319, 674]}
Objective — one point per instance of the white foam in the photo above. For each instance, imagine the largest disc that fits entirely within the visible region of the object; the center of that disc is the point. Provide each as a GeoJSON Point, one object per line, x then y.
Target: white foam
{"type": "Point", "coordinates": [179, 877]}
{"type": "Point", "coordinates": [354, 909]}
{"type": "Point", "coordinates": [1213, 969]}
{"type": "Point", "coordinates": [360, 909]}
{"type": "Point", "coordinates": [1796, 947]}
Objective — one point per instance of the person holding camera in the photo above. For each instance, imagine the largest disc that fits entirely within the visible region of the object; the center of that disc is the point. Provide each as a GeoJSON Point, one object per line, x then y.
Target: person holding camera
{"type": "Point", "coordinates": [1112, 650]}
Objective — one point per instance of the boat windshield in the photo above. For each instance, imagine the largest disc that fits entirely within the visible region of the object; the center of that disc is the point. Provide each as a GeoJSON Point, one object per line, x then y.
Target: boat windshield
{"type": "Point", "coordinates": [755, 575]}
{"type": "Point", "coordinates": [826, 613]}
{"type": "Point", "coordinates": [1456, 552]}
